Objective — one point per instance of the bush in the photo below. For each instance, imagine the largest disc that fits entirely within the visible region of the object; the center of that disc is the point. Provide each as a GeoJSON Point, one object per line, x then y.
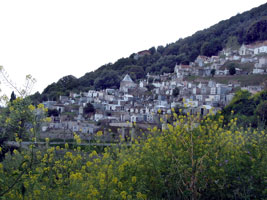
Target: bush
{"type": "Point", "coordinates": [193, 158]}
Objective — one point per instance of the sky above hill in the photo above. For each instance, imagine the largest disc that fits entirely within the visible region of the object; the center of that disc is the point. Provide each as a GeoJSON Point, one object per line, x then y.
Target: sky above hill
{"type": "Point", "coordinates": [54, 38]}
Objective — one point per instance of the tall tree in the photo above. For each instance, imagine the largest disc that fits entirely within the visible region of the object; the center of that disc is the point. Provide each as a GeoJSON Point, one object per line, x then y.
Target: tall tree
{"type": "Point", "coordinates": [89, 108]}
{"type": "Point", "coordinates": [13, 96]}
{"type": "Point", "coordinates": [212, 72]}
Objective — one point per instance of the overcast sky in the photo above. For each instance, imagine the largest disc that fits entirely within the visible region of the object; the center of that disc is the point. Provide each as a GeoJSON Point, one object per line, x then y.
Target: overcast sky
{"type": "Point", "coordinates": [50, 39]}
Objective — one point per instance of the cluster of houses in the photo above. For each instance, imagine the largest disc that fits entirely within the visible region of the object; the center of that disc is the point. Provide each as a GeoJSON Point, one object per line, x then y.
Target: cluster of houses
{"type": "Point", "coordinates": [256, 54]}
{"type": "Point", "coordinates": [154, 97]}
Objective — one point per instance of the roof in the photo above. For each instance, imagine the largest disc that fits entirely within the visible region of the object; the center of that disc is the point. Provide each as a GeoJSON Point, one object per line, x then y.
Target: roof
{"type": "Point", "coordinates": [127, 78]}
{"type": "Point", "coordinates": [144, 52]}
{"type": "Point", "coordinates": [185, 66]}
{"type": "Point", "coordinates": [202, 57]}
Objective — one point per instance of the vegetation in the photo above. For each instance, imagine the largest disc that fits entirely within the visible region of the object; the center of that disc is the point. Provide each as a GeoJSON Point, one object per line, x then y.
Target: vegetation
{"type": "Point", "coordinates": [232, 70]}
{"type": "Point", "coordinates": [89, 108]}
{"type": "Point", "coordinates": [52, 112]}
{"type": "Point", "coordinates": [212, 72]}
{"type": "Point", "coordinates": [176, 92]}
{"type": "Point", "coordinates": [247, 27]}
{"type": "Point", "coordinates": [249, 110]}
{"type": "Point", "coordinates": [257, 31]}
{"type": "Point", "coordinates": [193, 158]}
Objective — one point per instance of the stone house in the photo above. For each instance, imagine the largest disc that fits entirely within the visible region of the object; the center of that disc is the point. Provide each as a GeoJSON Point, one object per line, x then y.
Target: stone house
{"type": "Point", "coordinates": [126, 84]}
{"type": "Point", "coordinates": [201, 60]}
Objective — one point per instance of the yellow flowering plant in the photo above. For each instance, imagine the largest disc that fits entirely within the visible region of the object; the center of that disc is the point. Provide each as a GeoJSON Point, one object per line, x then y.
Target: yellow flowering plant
{"type": "Point", "coordinates": [194, 157]}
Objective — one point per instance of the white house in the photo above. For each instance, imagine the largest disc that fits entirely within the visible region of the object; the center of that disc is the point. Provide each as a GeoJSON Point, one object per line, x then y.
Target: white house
{"type": "Point", "coordinates": [260, 48]}
{"type": "Point", "coordinates": [246, 50]}
{"type": "Point", "coordinates": [258, 71]}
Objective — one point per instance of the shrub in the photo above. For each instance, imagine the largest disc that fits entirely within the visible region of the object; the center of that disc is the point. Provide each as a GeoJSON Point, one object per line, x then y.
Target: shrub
{"type": "Point", "coordinates": [193, 158]}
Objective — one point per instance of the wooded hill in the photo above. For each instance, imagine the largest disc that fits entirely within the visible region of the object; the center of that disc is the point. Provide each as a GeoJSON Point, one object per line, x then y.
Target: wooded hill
{"type": "Point", "coordinates": [246, 28]}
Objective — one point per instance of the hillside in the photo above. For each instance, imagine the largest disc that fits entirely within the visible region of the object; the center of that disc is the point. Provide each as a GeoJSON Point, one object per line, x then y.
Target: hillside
{"type": "Point", "coordinates": [247, 27]}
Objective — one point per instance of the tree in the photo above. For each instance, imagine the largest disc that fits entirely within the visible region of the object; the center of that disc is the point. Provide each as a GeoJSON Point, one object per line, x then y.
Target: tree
{"type": "Point", "coordinates": [89, 108]}
{"type": "Point", "coordinates": [212, 72]}
{"type": "Point", "coordinates": [176, 92]}
{"type": "Point", "coordinates": [211, 47]}
{"type": "Point", "coordinates": [257, 31]}
{"type": "Point", "coordinates": [152, 50]}
{"type": "Point", "coordinates": [160, 49]}
{"type": "Point", "coordinates": [13, 97]}
{"type": "Point", "coordinates": [52, 112]}
{"type": "Point", "coordinates": [232, 42]}
{"type": "Point", "coordinates": [107, 79]}
{"type": "Point", "coordinates": [261, 111]}
{"type": "Point", "coordinates": [232, 70]}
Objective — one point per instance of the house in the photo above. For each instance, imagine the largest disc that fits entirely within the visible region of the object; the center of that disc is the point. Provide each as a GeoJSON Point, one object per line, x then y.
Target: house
{"type": "Point", "coordinates": [213, 90]}
{"type": "Point", "coordinates": [201, 60]}
{"type": "Point", "coordinates": [182, 70]}
{"type": "Point", "coordinates": [205, 109]}
{"type": "Point", "coordinates": [258, 71]}
{"type": "Point", "coordinates": [260, 48]}
{"type": "Point", "coordinates": [142, 84]}
{"type": "Point", "coordinates": [126, 84]}
{"type": "Point", "coordinates": [262, 62]}
{"type": "Point", "coordinates": [223, 89]}
{"type": "Point", "coordinates": [63, 99]}
{"type": "Point", "coordinates": [59, 107]}
{"type": "Point", "coordinates": [49, 104]}
{"type": "Point", "coordinates": [142, 54]}
{"type": "Point", "coordinates": [98, 116]}
{"type": "Point", "coordinates": [246, 59]}
{"type": "Point", "coordinates": [253, 49]}
{"type": "Point", "coordinates": [246, 50]}
{"type": "Point", "coordinates": [226, 52]}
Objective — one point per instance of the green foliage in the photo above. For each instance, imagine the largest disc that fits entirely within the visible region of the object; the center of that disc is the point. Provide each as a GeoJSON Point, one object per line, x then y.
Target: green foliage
{"type": "Point", "coordinates": [19, 121]}
{"type": "Point", "coordinates": [52, 112]}
{"type": "Point", "coordinates": [16, 118]}
{"type": "Point", "coordinates": [13, 96]}
{"type": "Point", "coordinates": [257, 31]}
{"type": "Point", "coordinates": [176, 92]}
{"type": "Point", "coordinates": [135, 72]}
{"type": "Point", "coordinates": [37, 98]}
{"type": "Point", "coordinates": [209, 48]}
{"type": "Point", "coordinates": [249, 110]}
{"type": "Point", "coordinates": [261, 111]}
{"type": "Point", "coordinates": [107, 79]}
{"type": "Point", "coordinates": [231, 66]}
{"type": "Point", "coordinates": [89, 108]}
{"type": "Point", "coordinates": [212, 72]}
{"type": "Point", "coordinates": [232, 70]}
{"type": "Point", "coordinates": [192, 158]}
{"type": "Point", "coordinates": [232, 42]}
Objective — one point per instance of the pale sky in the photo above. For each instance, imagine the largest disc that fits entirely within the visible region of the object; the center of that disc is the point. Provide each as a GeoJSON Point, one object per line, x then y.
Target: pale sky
{"type": "Point", "coordinates": [50, 39]}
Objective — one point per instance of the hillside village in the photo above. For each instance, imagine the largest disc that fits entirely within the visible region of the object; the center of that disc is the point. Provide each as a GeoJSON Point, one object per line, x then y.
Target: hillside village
{"type": "Point", "coordinates": [155, 97]}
